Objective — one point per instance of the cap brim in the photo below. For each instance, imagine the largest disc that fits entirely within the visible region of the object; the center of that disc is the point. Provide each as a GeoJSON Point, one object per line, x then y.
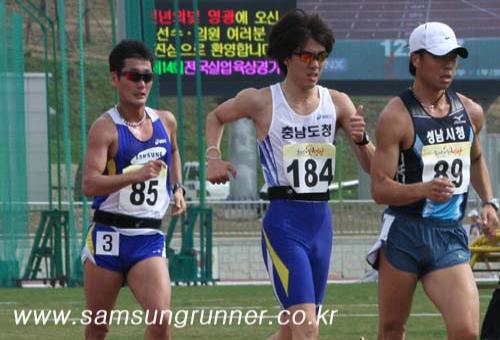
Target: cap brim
{"type": "Point", "coordinates": [444, 50]}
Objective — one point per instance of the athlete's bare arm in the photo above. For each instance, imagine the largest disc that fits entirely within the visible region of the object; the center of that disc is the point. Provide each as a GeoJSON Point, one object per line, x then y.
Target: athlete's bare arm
{"type": "Point", "coordinates": [479, 174]}
{"type": "Point", "coordinates": [101, 145]}
{"type": "Point", "coordinates": [175, 170]}
{"type": "Point", "coordinates": [352, 122]}
{"type": "Point", "coordinates": [395, 132]}
{"type": "Point", "coordinates": [249, 103]}
{"type": "Point", "coordinates": [170, 123]}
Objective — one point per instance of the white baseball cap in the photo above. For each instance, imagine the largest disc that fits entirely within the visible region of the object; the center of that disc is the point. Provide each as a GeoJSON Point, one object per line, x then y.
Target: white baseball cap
{"type": "Point", "coordinates": [436, 38]}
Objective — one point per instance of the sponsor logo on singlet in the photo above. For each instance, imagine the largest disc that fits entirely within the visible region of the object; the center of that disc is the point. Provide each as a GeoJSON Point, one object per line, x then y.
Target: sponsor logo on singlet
{"type": "Point", "coordinates": [149, 155]}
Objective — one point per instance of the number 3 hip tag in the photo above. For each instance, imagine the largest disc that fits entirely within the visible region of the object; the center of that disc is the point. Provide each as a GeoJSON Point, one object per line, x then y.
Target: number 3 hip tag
{"type": "Point", "coordinates": [309, 167]}
{"type": "Point", "coordinates": [107, 243]}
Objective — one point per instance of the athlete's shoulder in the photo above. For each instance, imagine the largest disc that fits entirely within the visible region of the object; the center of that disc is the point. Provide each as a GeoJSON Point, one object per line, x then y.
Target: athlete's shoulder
{"type": "Point", "coordinates": [166, 116]}
{"type": "Point", "coordinates": [103, 125]}
{"type": "Point", "coordinates": [343, 104]}
{"type": "Point", "coordinates": [394, 114]}
{"type": "Point", "coordinates": [474, 110]}
{"type": "Point", "coordinates": [249, 91]}
{"type": "Point", "coordinates": [102, 134]}
{"type": "Point", "coordinates": [394, 108]}
{"type": "Point", "coordinates": [338, 96]}
{"type": "Point", "coordinates": [168, 119]}
{"type": "Point", "coordinates": [253, 102]}
{"type": "Point", "coordinates": [470, 105]}
{"type": "Point", "coordinates": [253, 96]}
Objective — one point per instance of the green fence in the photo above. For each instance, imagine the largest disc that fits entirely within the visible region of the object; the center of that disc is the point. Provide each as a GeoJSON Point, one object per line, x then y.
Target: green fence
{"type": "Point", "coordinates": [46, 151]}
{"type": "Point", "coordinates": [36, 156]}
{"type": "Point", "coordinates": [13, 191]}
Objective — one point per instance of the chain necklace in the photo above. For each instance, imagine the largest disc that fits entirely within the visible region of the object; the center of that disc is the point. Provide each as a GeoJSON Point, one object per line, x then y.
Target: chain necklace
{"type": "Point", "coordinates": [133, 124]}
{"type": "Point", "coordinates": [429, 107]}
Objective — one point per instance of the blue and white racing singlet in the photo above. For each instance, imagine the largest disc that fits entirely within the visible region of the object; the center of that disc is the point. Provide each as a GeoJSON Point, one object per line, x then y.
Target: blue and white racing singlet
{"type": "Point", "coordinates": [299, 150]}
{"type": "Point", "coordinates": [148, 199]}
{"type": "Point", "coordinates": [441, 147]}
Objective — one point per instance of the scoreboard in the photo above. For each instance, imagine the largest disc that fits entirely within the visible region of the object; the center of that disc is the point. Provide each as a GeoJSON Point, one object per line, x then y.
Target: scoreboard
{"type": "Point", "coordinates": [233, 40]}
{"type": "Point", "coordinates": [388, 60]}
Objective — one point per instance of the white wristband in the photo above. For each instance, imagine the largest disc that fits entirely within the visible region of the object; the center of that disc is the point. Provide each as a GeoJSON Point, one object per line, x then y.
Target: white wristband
{"type": "Point", "coordinates": [213, 147]}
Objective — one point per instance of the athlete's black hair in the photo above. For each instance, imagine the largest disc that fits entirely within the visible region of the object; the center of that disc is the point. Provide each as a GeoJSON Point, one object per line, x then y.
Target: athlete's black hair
{"type": "Point", "coordinates": [128, 49]}
{"type": "Point", "coordinates": [411, 67]}
{"type": "Point", "coordinates": [293, 30]}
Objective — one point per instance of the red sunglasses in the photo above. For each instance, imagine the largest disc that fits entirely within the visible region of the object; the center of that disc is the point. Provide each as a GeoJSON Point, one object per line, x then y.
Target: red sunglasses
{"type": "Point", "coordinates": [308, 57]}
{"type": "Point", "coordinates": [137, 76]}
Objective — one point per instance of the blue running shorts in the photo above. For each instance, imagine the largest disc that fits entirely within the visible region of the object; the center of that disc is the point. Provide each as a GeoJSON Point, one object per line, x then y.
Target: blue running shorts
{"type": "Point", "coordinates": [421, 245]}
{"type": "Point", "coordinates": [108, 248]}
{"type": "Point", "coordinates": [296, 245]}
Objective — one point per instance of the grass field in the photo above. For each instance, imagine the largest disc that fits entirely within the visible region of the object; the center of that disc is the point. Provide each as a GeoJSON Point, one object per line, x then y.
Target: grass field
{"type": "Point", "coordinates": [356, 317]}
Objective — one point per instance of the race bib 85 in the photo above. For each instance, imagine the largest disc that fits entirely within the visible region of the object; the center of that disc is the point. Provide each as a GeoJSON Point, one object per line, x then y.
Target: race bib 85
{"type": "Point", "coordinates": [149, 195]}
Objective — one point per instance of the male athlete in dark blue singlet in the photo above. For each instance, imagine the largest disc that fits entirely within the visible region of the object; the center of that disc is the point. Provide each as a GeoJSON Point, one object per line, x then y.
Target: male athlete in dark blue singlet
{"type": "Point", "coordinates": [428, 152]}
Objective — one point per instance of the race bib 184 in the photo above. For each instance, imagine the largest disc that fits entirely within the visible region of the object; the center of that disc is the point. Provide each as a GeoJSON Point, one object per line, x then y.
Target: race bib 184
{"type": "Point", "coordinates": [450, 160]}
{"type": "Point", "coordinates": [309, 167]}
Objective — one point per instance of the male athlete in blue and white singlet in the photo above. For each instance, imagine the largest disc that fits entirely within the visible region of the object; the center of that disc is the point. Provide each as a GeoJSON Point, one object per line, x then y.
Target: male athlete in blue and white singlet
{"type": "Point", "coordinates": [133, 170]}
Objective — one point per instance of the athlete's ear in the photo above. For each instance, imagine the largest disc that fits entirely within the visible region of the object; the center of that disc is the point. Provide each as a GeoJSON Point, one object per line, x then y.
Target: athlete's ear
{"type": "Point", "coordinates": [113, 78]}
{"type": "Point", "coordinates": [415, 59]}
{"type": "Point", "coordinates": [286, 61]}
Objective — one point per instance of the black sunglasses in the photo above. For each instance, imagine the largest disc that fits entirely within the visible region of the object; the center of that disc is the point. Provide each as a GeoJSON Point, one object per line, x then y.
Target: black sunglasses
{"type": "Point", "coordinates": [308, 57]}
{"type": "Point", "coordinates": [137, 76]}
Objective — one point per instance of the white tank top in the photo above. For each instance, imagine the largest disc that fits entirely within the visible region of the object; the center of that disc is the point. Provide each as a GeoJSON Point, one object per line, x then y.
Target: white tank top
{"type": "Point", "coordinates": [299, 150]}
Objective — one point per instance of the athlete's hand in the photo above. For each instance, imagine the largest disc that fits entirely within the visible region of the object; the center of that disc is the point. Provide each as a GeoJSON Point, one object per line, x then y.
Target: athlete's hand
{"type": "Point", "coordinates": [440, 189]}
{"type": "Point", "coordinates": [179, 203]}
{"type": "Point", "coordinates": [150, 170]}
{"type": "Point", "coordinates": [218, 171]}
{"type": "Point", "coordinates": [489, 221]}
{"type": "Point", "coordinates": [357, 125]}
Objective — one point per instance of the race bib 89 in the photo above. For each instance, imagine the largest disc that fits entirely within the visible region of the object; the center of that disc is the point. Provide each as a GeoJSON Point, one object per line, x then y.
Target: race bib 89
{"type": "Point", "coordinates": [149, 195]}
{"type": "Point", "coordinates": [309, 167]}
{"type": "Point", "coordinates": [450, 160]}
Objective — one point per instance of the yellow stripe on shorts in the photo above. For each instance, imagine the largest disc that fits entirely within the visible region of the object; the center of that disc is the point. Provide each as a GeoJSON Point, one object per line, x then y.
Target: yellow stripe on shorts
{"type": "Point", "coordinates": [282, 270]}
{"type": "Point", "coordinates": [90, 241]}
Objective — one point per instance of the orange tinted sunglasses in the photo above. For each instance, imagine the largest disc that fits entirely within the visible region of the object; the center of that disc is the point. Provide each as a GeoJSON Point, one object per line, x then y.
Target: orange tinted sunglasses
{"type": "Point", "coordinates": [308, 57]}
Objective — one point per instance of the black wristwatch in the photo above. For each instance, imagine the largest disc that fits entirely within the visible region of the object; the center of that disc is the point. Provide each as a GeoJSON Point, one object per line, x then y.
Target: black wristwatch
{"type": "Point", "coordinates": [493, 202]}
{"type": "Point", "coordinates": [365, 140]}
{"type": "Point", "coordinates": [178, 186]}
